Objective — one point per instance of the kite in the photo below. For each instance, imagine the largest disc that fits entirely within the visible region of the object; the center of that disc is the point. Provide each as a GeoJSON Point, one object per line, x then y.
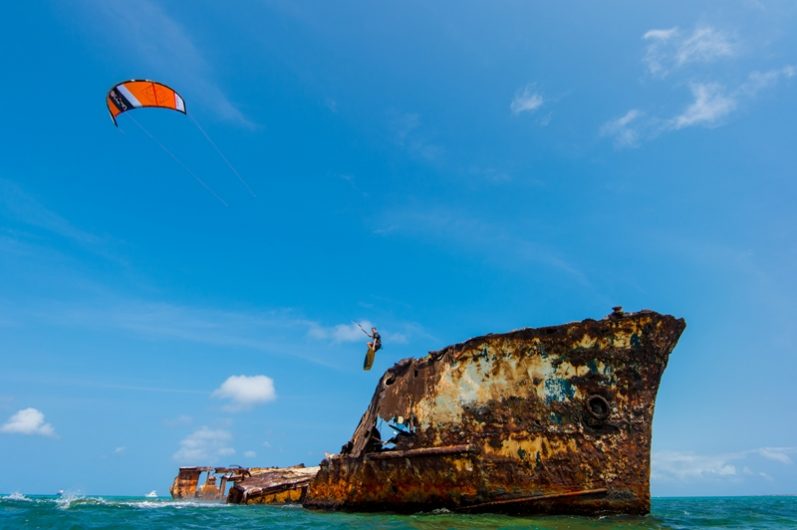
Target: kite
{"type": "Point", "coordinates": [140, 93]}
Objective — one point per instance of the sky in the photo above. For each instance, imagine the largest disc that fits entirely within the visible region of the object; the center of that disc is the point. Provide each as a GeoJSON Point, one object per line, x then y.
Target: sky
{"type": "Point", "coordinates": [441, 170]}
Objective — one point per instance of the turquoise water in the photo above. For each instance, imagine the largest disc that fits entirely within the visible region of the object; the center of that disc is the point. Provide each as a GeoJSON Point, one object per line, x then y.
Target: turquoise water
{"type": "Point", "coordinates": [76, 512]}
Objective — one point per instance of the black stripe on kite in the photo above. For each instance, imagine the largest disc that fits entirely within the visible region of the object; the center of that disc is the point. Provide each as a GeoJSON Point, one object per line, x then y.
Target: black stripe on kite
{"type": "Point", "coordinates": [120, 101]}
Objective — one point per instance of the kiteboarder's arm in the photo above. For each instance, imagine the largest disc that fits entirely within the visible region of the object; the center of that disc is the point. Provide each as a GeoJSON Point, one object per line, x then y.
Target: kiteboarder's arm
{"type": "Point", "coordinates": [363, 330]}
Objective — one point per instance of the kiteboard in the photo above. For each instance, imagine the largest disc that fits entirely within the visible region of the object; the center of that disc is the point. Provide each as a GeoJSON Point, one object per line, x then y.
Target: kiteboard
{"type": "Point", "coordinates": [369, 358]}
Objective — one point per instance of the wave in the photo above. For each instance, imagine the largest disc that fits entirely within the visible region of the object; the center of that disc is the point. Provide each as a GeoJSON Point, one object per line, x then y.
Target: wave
{"type": "Point", "coordinates": [76, 501]}
{"type": "Point", "coordinates": [16, 496]}
{"type": "Point", "coordinates": [145, 504]}
{"type": "Point", "coordinates": [150, 504]}
{"type": "Point", "coordinates": [179, 504]}
{"type": "Point", "coordinates": [69, 500]}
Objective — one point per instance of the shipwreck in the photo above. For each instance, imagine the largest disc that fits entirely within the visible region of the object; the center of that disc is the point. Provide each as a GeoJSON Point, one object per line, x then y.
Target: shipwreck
{"type": "Point", "coordinates": [546, 420]}
{"type": "Point", "coordinates": [241, 485]}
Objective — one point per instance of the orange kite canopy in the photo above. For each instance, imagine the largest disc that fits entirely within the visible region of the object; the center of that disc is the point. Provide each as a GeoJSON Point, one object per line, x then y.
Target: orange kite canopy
{"type": "Point", "coordinates": [138, 93]}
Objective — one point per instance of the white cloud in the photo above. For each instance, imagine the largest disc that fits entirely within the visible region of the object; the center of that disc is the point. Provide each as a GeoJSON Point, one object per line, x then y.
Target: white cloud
{"type": "Point", "coordinates": [120, 450]}
{"type": "Point", "coordinates": [690, 467]}
{"type": "Point", "coordinates": [622, 129]}
{"type": "Point", "coordinates": [341, 332]}
{"type": "Point", "coordinates": [245, 391]}
{"type": "Point", "coordinates": [758, 81]}
{"type": "Point", "coordinates": [705, 45]}
{"type": "Point", "coordinates": [686, 465]}
{"type": "Point", "coordinates": [778, 454]}
{"type": "Point", "coordinates": [711, 104]}
{"type": "Point", "coordinates": [204, 447]}
{"type": "Point", "coordinates": [526, 100]}
{"type": "Point", "coordinates": [669, 49]}
{"type": "Point", "coordinates": [250, 454]}
{"type": "Point", "coordinates": [349, 333]}
{"type": "Point", "coordinates": [659, 49]}
{"type": "Point", "coordinates": [28, 421]}
{"type": "Point", "coordinates": [660, 34]}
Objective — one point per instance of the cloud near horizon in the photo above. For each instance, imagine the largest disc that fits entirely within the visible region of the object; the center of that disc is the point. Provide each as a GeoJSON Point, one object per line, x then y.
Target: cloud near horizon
{"type": "Point", "coordinates": [204, 446]}
{"type": "Point", "coordinates": [687, 466]}
{"type": "Point", "coordinates": [29, 421]}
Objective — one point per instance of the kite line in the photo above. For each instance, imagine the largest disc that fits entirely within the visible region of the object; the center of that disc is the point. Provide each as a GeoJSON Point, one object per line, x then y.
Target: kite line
{"type": "Point", "coordinates": [180, 162]}
{"type": "Point", "coordinates": [221, 154]}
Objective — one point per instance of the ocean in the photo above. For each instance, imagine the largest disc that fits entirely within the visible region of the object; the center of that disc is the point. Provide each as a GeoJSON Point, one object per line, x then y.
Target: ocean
{"type": "Point", "coordinates": [78, 512]}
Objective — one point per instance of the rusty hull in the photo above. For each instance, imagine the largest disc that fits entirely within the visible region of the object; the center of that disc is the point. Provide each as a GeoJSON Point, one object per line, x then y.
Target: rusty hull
{"type": "Point", "coordinates": [287, 485]}
{"type": "Point", "coordinates": [548, 420]}
{"type": "Point", "coordinates": [186, 484]}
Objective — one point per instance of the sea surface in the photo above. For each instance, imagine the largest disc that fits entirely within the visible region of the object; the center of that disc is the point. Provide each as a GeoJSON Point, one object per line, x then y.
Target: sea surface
{"type": "Point", "coordinates": [75, 512]}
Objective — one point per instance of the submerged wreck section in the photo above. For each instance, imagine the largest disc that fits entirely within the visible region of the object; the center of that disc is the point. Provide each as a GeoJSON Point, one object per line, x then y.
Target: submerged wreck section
{"type": "Point", "coordinates": [548, 420]}
{"type": "Point", "coordinates": [239, 485]}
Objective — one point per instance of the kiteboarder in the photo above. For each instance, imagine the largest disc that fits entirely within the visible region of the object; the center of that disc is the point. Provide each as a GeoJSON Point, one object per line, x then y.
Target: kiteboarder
{"type": "Point", "coordinates": [377, 340]}
{"type": "Point", "coordinates": [373, 346]}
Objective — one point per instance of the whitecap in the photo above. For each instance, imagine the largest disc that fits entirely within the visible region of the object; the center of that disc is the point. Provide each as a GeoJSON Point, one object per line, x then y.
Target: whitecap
{"type": "Point", "coordinates": [150, 504]}
{"type": "Point", "coordinates": [17, 496]}
{"type": "Point", "coordinates": [69, 500]}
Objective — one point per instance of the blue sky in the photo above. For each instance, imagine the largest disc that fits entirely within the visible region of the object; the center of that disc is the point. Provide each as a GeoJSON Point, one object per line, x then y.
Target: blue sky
{"type": "Point", "coordinates": [442, 171]}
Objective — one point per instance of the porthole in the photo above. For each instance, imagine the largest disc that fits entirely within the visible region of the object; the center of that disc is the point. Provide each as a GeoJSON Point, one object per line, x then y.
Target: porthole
{"type": "Point", "coordinates": [598, 407]}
